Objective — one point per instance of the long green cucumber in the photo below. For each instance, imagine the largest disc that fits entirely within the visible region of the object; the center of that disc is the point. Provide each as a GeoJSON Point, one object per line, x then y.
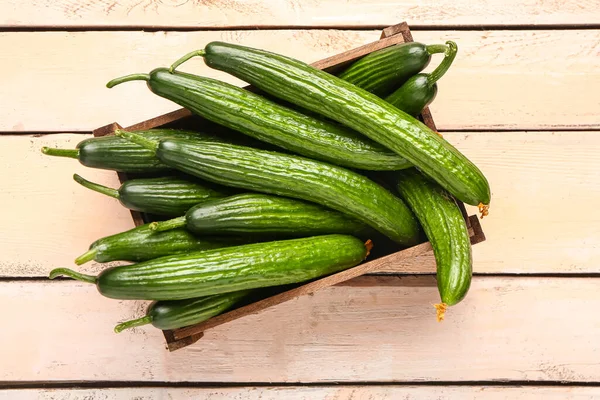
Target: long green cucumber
{"type": "Point", "coordinates": [265, 120]}
{"type": "Point", "coordinates": [421, 89]}
{"type": "Point", "coordinates": [173, 314]}
{"type": "Point", "coordinates": [262, 214]}
{"type": "Point", "coordinates": [226, 270]}
{"type": "Point", "coordinates": [142, 244]}
{"type": "Point", "coordinates": [383, 70]}
{"type": "Point", "coordinates": [293, 176]}
{"type": "Point", "coordinates": [299, 83]}
{"type": "Point", "coordinates": [446, 230]}
{"type": "Point", "coordinates": [116, 154]}
{"type": "Point", "coordinates": [167, 195]}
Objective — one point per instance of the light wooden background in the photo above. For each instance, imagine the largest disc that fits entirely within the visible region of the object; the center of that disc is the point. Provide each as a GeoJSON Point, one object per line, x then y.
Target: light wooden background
{"type": "Point", "coordinates": [522, 101]}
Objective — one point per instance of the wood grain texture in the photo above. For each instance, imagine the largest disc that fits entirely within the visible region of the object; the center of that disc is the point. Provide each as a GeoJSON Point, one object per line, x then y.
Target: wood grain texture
{"type": "Point", "coordinates": [500, 79]}
{"type": "Point", "coordinates": [254, 13]}
{"type": "Point", "coordinates": [338, 392]}
{"type": "Point", "coordinates": [511, 328]}
{"type": "Point", "coordinates": [47, 218]}
{"type": "Point", "coordinates": [543, 192]}
{"type": "Point", "coordinates": [77, 66]}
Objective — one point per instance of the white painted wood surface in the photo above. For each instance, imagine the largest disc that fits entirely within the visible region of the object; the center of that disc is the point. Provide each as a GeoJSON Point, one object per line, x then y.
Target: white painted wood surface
{"type": "Point", "coordinates": [330, 13]}
{"type": "Point", "coordinates": [543, 218]}
{"type": "Point", "coordinates": [499, 80]}
{"type": "Point", "coordinates": [337, 392]}
{"type": "Point", "coordinates": [48, 218]}
{"type": "Point", "coordinates": [508, 328]}
{"type": "Point", "coordinates": [548, 228]}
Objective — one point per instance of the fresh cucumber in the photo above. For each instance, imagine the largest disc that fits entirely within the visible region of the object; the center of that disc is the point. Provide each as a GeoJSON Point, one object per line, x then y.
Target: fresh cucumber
{"type": "Point", "coordinates": [272, 172]}
{"type": "Point", "coordinates": [318, 91]}
{"type": "Point", "coordinates": [113, 153]}
{"type": "Point", "coordinates": [226, 270]}
{"type": "Point", "coordinates": [420, 90]}
{"type": "Point", "coordinates": [383, 70]}
{"type": "Point", "coordinates": [265, 120]}
{"type": "Point", "coordinates": [262, 214]}
{"type": "Point", "coordinates": [142, 243]}
{"type": "Point", "coordinates": [173, 314]}
{"type": "Point", "coordinates": [167, 195]}
{"type": "Point", "coordinates": [446, 230]}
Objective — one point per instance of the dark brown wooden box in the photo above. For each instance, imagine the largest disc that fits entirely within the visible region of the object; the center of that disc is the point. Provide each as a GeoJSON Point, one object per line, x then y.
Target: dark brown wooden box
{"type": "Point", "coordinates": [182, 337]}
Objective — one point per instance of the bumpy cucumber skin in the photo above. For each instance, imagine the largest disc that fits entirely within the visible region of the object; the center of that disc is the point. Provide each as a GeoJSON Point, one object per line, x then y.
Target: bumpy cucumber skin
{"type": "Point", "coordinates": [318, 91]}
{"type": "Point", "coordinates": [383, 70]}
{"type": "Point", "coordinates": [116, 154]}
{"type": "Point", "coordinates": [260, 214]}
{"type": "Point", "coordinates": [414, 95]}
{"type": "Point", "coordinates": [262, 119]}
{"type": "Point", "coordinates": [169, 195]}
{"type": "Point", "coordinates": [445, 228]}
{"type": "Point", "coordinates": [173, 314]}
{"type": "Point", "coordinates": [142, 244]}
{"type": "Point", "coordinates": [231, 269]}
{"type": "Point", "coordinates": [297, 177]}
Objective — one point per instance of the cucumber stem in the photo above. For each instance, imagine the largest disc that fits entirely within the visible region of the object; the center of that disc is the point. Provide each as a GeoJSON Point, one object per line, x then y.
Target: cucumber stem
{"type": "Point", "coordinates": [484, 209]}
{"type": "Point", "coordinates": [138, 139]}
{"type": "Point", "coordinates": [369, 246]}
{"type": "Point", "coordinates": [87, 256]}
{"type": "Point", "coordinates": [114, 193]}
{"type": "Point", "coordinates": [441, 69]}
{"type": "Point", "coordinates": [72, 274]}
{"type": "Point", "coordinates": [192, 54]}
{"type": "Point", "coordinates": [134, 322]}
{"type": "Point", "coordinates": [127, 78]}
{"type": "Point", "coordinates": [168, 225]}
{"type": "Point", "coordinates": [69, 153]}
{"type": "Point", "coordinates": [436, 48]}
{"type": "Point", "coordinates": [440, 311]}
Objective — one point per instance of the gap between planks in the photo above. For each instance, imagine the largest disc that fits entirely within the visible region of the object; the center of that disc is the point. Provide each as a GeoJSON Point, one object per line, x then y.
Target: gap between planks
{"type": "Point", "coordinates": [574, 128]}
{"type": "Point", "coordinates": [416, 28]}
{"type": "Point", "coordinates": [83, 384]}
{"type": "Point", "coordinates": [375, 279]}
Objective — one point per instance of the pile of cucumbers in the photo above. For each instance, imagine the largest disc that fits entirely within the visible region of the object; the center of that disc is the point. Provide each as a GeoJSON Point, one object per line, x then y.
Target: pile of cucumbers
{"type": "Point", "coordinates": [281, 185]}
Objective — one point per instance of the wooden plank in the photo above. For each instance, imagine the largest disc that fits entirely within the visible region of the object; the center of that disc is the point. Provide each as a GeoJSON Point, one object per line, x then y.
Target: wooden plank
{"type": "Point", "coordinates": [255, 13]}
{"type": "Point", "coordinates": [74, 74]}
{"type": "Point", "coordinates": [500, 80]}
{"type": "Point", "coordinates": [339, 392]}
{"type": "Point", "coordinates": [52, 219]}
{"type": "Point", "coordinates": [537, 180]}
{"type": "Point", "coordinates": [49, 219]}
{"type": "Point", "coordinates": [508, 328]}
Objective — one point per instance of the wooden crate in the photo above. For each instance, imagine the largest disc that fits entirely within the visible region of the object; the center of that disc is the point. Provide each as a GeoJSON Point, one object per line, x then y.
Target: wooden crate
{"type": "Point", "coordinates": [182, 337]}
